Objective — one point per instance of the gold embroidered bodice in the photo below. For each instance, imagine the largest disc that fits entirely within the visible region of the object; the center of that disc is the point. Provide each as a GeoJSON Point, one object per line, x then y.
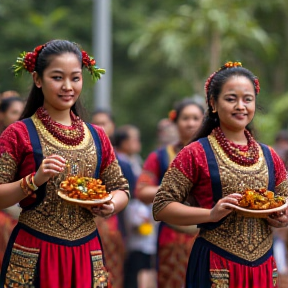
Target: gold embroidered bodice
{"type": "Point", "coordinates": [248, 238]}
{"type": "Point", "coordinates": [54, 216]}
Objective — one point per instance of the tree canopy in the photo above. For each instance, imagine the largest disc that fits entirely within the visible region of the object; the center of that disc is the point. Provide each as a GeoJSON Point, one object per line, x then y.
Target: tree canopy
{"type": "Point", "coordinates": [163, 51]}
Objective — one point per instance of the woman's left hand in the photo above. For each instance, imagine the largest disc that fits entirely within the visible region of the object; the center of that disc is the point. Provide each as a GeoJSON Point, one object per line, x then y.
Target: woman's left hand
{"type": "Point", "coordinates": [104, 210]}
{"type": "Point", "coordinates": [278, 219]}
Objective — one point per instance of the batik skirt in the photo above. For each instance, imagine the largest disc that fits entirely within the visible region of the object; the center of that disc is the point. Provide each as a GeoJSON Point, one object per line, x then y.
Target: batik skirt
{"type": "Point", "coordinates": [211, 267]}
{"type": "Point", "coordinates": [33, 259]}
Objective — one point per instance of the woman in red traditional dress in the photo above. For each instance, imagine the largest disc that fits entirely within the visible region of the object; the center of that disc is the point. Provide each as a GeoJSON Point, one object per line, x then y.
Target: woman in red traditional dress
{"type": "Point", "coordinates": [231, 250]}
{"type": "Point", "coordinates": [174, 243]}
{"type": "Point", "coordinates": [56, 242]}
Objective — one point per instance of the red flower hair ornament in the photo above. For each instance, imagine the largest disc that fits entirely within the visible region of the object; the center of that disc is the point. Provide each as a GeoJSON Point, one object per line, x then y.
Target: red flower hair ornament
{"type": "Point", "coordinates": [172, 115]}
{"type": "Point", "coordinates": [27, 60]}
{"type": "Point", "coordinates": [228, 65]}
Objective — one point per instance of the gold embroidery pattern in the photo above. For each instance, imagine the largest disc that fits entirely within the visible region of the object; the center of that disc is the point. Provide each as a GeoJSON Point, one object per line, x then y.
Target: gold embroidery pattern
{"type": "Point", "coordinates": [22, 267]}
{"type": "Point", "coordinates": [248, 238]}
{"type": "Point", "coordinates": [54, 216]}
{"type": "Point", "coordinates": [114, 179]}
{"type": "Point", "coordinates": [100, 275]}
{"type": "Point", "coordinates": [282, 189]}
{"type": "Point", "coordinates": [8, 168]}
{"type": "Point", "coordinates": [174, 181]}
{"type": "Point", "coordinates": [59, 218]}
{"type": "Point", "coordinates": [219, 278]}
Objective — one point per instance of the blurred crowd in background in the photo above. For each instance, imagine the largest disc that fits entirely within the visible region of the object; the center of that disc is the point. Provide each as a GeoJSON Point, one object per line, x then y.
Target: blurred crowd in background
{"type": "Point", "coordinates": [130, 239]}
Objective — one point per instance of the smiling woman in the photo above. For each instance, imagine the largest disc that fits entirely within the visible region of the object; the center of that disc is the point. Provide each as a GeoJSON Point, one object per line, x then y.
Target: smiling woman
{"type": "Point", "coordinates": [56, 243]}
{"type": "Point", "coordinates": [231, 250]}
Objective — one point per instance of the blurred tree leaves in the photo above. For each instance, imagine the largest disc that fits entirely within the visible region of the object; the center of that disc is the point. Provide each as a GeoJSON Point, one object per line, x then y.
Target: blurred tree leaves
{"type": "Point", "coordinates": [162, 51]}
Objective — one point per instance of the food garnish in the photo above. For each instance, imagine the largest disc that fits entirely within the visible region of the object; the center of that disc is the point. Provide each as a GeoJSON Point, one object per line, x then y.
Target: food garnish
{"type": "Point", "coordinates": [260, 199]}
{"type": "Point", "coordinates": [83, 188]}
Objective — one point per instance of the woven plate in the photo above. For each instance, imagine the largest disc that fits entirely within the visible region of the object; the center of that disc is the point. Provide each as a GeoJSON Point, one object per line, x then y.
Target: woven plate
{"type": "Point", "coordinates": [84, 202]}
{"type": "Point", "coordinates": [256, 213]}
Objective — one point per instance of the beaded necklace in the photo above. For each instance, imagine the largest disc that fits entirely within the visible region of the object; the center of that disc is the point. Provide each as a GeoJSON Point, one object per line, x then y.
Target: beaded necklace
{"type": "Point", "coordinates": [245, 155]}
{"type": "Point", "coordinates": [70, 135]}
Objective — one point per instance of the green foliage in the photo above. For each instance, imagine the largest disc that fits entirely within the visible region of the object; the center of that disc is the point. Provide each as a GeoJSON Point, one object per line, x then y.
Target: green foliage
{"type": "Point", "coordinates": [162, 51]}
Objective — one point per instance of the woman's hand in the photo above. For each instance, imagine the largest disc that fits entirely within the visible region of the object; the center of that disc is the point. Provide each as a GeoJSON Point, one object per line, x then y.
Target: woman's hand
{"type": "Point", "coordinates": [219, 211]}
{"type": "Point", "coordinates": [278, 219]}
{"type": "Point", "coordinates": [51, 166]}
{"type": "Point", "coordinates": [104, 210]}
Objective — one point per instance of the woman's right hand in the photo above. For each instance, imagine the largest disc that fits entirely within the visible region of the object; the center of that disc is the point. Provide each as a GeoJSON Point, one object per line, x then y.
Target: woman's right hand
{"type": "Point", "coordinates": [219, 211]}
{"type": "Point", "coordinates": [50, 166]}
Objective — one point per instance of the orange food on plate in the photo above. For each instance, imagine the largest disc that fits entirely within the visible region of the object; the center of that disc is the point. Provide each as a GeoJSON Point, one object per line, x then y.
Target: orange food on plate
{"type": "Point", "coordinates": [83, 188]}
{"type": "Point", "coordinates": [260, 199]}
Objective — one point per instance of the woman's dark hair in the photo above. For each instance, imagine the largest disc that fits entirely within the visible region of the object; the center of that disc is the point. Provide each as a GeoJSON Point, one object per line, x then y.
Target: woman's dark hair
{"type": "Point", "coordinates": [179, 107]}
{"type": "Point", "coordinates": [7, 102]}
{"type": "Point", "coordinates": [122, 133]}
{"type": "Point", "coordinates": [214, 88]}
{"type": "Point", "coordinates": [36, 97]}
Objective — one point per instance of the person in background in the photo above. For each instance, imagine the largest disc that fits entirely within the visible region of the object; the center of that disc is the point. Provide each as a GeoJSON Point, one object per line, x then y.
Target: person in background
{"type": "Point", "coordinates": [128, 146]}
{"type": "Point", "coordinates": [8, 94]}
{"type": "Point", "coordinates": [167, 132]}
{"type": "Point", "coordinates": [11, 109]}
{"type": "Point", "coordinates": [112, 230]}
{"type": "Point", "coordinates": [231, 250]}
{"type": "Point", "coordinates": [280, 244]}
{"type": "Point", "coordinates": [56, 243]}
{"type": "Point", "coordinates": [139, 223]}
{"type": "Point", "coordinates": [281, 145]}
{"type": "Point", "coordinates": [174, 243]}
{"type": "Point", "coordinates": [104, 119]}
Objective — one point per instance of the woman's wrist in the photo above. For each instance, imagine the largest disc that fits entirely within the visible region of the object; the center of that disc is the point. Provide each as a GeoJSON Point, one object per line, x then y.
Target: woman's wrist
{"type": "Point", "coordinates": [27, 185]}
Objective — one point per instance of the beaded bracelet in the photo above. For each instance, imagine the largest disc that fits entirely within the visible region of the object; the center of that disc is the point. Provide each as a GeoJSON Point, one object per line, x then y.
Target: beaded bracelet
{"type": "Point", "coordinates": [27, 184]}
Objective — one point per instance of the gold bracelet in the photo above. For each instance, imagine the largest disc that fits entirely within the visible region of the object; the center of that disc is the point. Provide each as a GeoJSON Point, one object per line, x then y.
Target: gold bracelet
{"type": "Point", "coordinates": [30, 184]}
{"type": "Point", "coordinates": [25, 188]}
{"type": "Point", "coordinates": [33, 183]}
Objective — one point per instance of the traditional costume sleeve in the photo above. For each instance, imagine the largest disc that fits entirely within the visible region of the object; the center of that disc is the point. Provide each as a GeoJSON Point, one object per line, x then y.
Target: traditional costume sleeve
{"type": "Point", "coordinates": [178, 180]}
{"type": "Point", "coordinates": [281, 183]}
{"type": "Point", "coordinates": [110, 171]}
{"type": "Point", "coordinates": [150, 175]}
{"type": "Point", "coordinates": [16, 155]}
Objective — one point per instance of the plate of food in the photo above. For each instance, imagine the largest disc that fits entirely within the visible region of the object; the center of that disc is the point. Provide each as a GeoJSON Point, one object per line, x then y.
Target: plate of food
{"type": "Point", "coordinates": [84, 190]}
{"type": "Point", "coordinates": [259, 203]}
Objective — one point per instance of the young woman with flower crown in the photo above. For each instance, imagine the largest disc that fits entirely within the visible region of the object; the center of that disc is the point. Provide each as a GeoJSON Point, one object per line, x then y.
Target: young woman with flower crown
{"type": "Point", "coordinates": [231, 250]}
{"type": "Point", "coordinates": [174, 243]}
{"type": "Point", "coordinates": [56, 243]}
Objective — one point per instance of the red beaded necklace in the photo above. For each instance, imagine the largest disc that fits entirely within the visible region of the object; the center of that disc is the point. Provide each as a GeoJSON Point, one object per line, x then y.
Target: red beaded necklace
{"type": "Point", "coordinates": [69, 135]}
{"type": "Point", "coordinates": [245, 155]}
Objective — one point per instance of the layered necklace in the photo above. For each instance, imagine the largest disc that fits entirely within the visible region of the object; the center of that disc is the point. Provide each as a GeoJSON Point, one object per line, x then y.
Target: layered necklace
{"type": "Point", "coordinates": [245, 155]}
{"type": "Point", "coordinates": [69, 135]}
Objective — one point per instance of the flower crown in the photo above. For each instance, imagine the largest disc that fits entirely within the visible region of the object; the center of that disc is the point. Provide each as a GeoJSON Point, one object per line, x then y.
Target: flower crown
{"type": "Point", "coordinates": [27, 61]}
{"type": "Point", "coordinates": [228, 65]}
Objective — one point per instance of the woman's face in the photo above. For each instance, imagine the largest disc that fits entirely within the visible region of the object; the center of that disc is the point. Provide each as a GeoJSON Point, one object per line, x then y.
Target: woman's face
{"type": "Point", "coordinates": [61, 82]}
{"type": "Point", "coordinates": [236, 104]}
{"type": "Point", "coordinates": [13, 113]}
{"type": "Point", "coordinates": [104, 121]}
{"type": "Point", "coordinates": [189, 121]}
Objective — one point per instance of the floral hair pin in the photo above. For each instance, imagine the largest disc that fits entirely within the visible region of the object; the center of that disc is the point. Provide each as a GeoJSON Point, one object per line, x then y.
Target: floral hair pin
{"type": "Point", "coordinates": [172, 115]}
{"type": "Point", "coordinates": [231, 64]}
{"type": "Point", "coordinates": [27, 61]}
{"type": "Point", "coordinates": [90, 63]}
